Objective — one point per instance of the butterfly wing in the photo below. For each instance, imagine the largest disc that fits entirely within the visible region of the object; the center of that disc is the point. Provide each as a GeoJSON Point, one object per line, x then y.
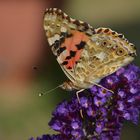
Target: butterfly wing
{"type": "Point", "coordinates": [66, 38]}
{"type": "Point", "coordinates": [104, 53]}
{"type": "Point", "coordinates": [84, 54]}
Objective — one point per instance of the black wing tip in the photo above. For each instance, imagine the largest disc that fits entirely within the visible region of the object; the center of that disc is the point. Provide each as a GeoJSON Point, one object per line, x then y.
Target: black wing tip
{"type": "Point", "coordinates": [59, 12]}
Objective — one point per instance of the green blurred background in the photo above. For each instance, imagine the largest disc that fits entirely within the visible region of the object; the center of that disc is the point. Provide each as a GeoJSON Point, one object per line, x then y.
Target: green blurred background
{"type": "Point", "coordinates": [22, 113]}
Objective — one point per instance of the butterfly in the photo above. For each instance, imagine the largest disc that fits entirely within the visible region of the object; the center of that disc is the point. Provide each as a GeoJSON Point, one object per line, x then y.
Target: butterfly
{"type": "Point", "coordinates": [86, 55]}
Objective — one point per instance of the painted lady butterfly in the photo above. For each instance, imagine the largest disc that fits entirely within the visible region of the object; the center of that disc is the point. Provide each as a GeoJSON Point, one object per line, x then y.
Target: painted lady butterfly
{"type": "Point", "coordinates": [86, 55]}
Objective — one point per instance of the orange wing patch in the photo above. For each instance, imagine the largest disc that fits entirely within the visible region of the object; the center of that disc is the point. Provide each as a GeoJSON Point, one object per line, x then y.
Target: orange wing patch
{"type": "Point", "coordinates": [74, 46]}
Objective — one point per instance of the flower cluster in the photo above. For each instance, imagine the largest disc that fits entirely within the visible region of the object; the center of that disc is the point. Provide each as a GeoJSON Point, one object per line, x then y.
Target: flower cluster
{"type": "Point", "coordinates": [104, 112]}
{"type": "Point", "coordinates": [49, 137]}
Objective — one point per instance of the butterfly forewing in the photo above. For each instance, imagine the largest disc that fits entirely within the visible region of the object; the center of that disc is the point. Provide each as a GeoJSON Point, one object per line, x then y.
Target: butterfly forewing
{"type": "Point", "coordinates": [66, 39]}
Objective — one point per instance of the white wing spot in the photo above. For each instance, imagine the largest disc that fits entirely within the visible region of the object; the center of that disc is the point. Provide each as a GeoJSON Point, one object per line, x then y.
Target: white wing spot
{"type": "Point", "coordinates": [56, 36]}
{"type": "Point", "coordinates": [46, 27]}
{"type": "Point", "coordinates": [54, 9]}
{"type": "Point", "coordinates": [101, 55]}
{"type": "Point", "coordinates": [63, 29]}
{"type": "Point", "coordinates": [81, 22]}
{"type": "Point", "coordinates": [72, 19]}
{"type": "Point", "coordinates": [65, 15]}
{"type": "Point", "coordinates": [51, 40]}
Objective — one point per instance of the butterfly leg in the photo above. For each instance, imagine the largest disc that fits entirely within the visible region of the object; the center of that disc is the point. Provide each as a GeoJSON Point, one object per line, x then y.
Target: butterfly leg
{"type": "Point", "coordinates": [77, 94]}
{"type": "Point", "coordinates": [103, 87]}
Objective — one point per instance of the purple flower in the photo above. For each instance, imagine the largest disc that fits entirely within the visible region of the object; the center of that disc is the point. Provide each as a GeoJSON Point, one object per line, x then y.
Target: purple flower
{"type": "Point", "coordinates": [49, 137]}
{"type": "Point", "coordinates": [104, 112]}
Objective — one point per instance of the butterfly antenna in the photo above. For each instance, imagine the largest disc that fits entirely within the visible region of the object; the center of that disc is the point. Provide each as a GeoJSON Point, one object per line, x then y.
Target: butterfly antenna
{"type": "Point", "coordinates": [41, 94]}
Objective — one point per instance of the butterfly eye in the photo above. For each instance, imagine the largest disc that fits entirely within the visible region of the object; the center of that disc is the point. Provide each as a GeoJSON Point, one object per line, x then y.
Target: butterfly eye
{"type": "Point", "coordinates": [119, 51]}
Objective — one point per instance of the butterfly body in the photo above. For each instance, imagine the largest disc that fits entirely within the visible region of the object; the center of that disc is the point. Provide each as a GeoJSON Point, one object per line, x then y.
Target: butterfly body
{"type": "Point", "coordinates": [86, 55]}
